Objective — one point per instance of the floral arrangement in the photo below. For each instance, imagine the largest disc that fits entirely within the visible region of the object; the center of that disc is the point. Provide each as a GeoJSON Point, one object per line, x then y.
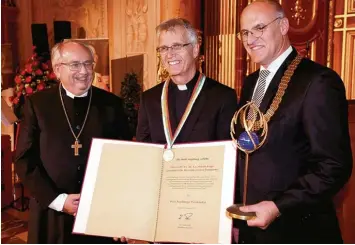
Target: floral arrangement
{"type": "Point", "coordinates": [36, 76]}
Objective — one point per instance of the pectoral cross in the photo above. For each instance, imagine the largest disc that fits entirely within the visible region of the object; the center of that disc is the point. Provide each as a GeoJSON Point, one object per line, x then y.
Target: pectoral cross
{"type": "Point", "coordinates": [76, 147]}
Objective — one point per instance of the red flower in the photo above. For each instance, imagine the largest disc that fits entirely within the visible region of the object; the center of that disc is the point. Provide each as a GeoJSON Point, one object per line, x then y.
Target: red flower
{"type": "Point", "coordinates": [18, 79]}
{"type": "Point", "coordinates": [20, 87]}
{"type": "Point", "coordinates": [45, 66]}
{"type": "Point", "coordinates": [52, 76]}
{"type": "Point", "coordinates": [29, 90]}
{"type": "Point", "coordinates": [35, 63]}
{"type": "Point", "coordinates": [28, 68]}
{"type": "Point", "coordinates": [28, 79]}
{"type": "Point", "coordinates": [40, 86]}
{"type": "Point", "coordinates": [38, 72]}
{"type": "Point", "coordinates": [35, 76]}
{"type": "Point", "coordinates": [15, 100]}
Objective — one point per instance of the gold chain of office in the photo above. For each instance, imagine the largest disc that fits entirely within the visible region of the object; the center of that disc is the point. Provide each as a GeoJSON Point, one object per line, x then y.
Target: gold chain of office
{"type": "Point", "coordinates": [279, 94]}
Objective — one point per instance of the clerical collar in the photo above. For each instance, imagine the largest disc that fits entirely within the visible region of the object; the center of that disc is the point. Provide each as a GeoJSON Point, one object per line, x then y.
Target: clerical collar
{"type": "Point", "coordinates": [188, 86]}
{"type": "Point", "coordinates": [71, 95]}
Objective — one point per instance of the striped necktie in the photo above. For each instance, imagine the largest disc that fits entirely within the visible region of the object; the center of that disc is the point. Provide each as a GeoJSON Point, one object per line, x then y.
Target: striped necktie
{"type": "Point", "coordinates": [260, 90]}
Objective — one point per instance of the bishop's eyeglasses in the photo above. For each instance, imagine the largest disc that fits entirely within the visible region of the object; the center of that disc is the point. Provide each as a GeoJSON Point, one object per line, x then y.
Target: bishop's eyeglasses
{"type": "Point", "coordinates": [76, 66]}
{"type": "Point", "coordinates": [255, 32]}
{"type": "Point", "coordinates": [175, 48]}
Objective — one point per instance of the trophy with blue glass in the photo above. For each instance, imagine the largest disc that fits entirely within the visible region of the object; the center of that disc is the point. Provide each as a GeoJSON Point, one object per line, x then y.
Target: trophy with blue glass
{"type": "Point", "coordinates": [253, 136]}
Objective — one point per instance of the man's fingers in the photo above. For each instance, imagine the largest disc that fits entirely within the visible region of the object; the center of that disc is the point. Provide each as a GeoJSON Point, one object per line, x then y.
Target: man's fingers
{"type": "Point", "coordinates": [115, 239]}
{"type": "Point", "coordinates": [123, 239]}
{"type": "Point", "coordinates": [75, 196]}
{"type": "Point", "coordinates": [247, 209]}
{"type": "Point", "coordinates": [253, 222]}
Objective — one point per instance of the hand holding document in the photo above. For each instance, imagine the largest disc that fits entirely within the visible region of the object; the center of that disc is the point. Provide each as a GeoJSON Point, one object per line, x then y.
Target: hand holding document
{"type": "Point", "coordinates": [183, 200]}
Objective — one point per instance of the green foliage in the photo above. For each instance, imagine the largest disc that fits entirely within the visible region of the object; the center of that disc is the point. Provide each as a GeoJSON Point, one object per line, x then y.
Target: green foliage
{"type": "Point", "coordinates": [130, 93]}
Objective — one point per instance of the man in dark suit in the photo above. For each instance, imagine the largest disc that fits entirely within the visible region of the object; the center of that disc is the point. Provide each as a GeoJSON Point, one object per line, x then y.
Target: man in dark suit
{"type": "Point", "coordinates": [197, 108]}
{"type": "Point", "coordinates": [306, 158]}
{"type": "Point", "coordinates": [54, 142]}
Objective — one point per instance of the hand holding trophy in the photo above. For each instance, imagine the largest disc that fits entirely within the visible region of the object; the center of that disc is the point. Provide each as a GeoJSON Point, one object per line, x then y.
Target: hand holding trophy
{"type": "Point", "coordinates": [254, 136]}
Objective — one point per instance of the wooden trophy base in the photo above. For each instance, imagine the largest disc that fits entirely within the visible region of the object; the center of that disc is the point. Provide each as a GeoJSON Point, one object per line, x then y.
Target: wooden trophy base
{"type": "Point", "coordinates": [234, 212]}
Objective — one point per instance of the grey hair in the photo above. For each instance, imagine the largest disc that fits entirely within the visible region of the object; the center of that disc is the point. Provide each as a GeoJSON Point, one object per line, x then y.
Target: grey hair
{"type": "Point", "coordinates": [169, 25]}
{"type": "Point", "coordinates": [278, 8]}
{"type": "Point", "coordinates": [57, 50]}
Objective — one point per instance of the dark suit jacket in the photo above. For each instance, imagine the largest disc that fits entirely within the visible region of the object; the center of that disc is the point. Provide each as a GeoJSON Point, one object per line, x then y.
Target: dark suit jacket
{"type": "Point", "coordinates": [306, 158]}
{"type": "Point", "coordinates": [209, 119]}
{"type": "Point", "coordinates": [45, 161]}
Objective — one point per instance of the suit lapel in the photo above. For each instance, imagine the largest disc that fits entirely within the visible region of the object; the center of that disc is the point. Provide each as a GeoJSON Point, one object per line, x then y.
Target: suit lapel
{"type": "Point", "coordinates": [171, 107]}
{"type": "Point", "coordinates": [274, 84]}
{"type": "Point", "coordinates": [249, 88]}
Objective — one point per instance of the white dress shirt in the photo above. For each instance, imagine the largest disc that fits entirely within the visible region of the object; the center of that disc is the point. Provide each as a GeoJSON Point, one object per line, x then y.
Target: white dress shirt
{"type": "Point", "coordinates": [273, 67]}
{"type": "Point", "coordinates": [58, 203]}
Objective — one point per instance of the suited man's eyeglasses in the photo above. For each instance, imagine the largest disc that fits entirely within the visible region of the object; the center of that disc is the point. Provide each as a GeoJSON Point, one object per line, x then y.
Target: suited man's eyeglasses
{"type": "Point", "coordinates": [255, 32]}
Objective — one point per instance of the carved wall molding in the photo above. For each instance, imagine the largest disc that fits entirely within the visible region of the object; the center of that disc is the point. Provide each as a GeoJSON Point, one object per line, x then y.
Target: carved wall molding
{"type": "Point", "coordinates": [298, 12]}
{"type": "Point", "coordinates": [351, 5]}
{"type": "Point", "coordinates": [221, 42]}
{"type": "Point", "coordinates": [331, 26]}
{"type": "Point", "coordinates": [137, 32]}
{"type": "Point", "coordinates": [338, 23]}
{"type": "Point", "coordinates": [303, 19]}
{"type": "Point", "coordinates": [88, 17]}
{"type": "Point", "coordinates": [349, 69]}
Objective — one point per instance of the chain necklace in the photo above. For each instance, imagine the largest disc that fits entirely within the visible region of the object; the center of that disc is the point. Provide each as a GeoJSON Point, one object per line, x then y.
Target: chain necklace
{"type": "Point", "coordinates": [279, 94]}
{"type": "Point", "coordinates": [76, 144]}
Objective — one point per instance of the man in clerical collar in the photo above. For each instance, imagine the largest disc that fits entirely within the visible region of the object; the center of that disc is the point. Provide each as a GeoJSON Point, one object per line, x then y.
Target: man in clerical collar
{"type": "Point", "coordinates": [54, 142]}
{"type": "Point", "coordinates": [189, 105]}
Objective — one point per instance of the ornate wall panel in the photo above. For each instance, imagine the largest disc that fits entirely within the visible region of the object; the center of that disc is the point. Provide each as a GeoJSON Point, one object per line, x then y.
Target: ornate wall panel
{"type": "Point", "coordinates": [131, 28]}
{"type": "Point", "coordinates": [24, 30]}
{"type": "Point", "coordinates": [88, 17]}
{"type": "Point", "coordinates": [309, 27]}
{"type": "Point", "coordinates": [343, 54]}
{"type": "Point", "coordinates": [132, 32]}
{"type": "Point", "coordinates": [221, 41]}
{"type": "Point", "coordinates": [188, 9]}
{"type": "Point", "coordinates": [88, 20]}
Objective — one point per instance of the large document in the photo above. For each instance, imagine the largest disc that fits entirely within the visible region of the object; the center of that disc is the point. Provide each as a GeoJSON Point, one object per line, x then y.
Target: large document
{"type": "Point", "coordinates": [129, 190]}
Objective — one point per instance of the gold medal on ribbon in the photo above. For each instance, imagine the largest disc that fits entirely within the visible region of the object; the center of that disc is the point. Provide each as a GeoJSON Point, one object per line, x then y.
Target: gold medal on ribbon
{"type": "Point", "coordinates": [168, 154]}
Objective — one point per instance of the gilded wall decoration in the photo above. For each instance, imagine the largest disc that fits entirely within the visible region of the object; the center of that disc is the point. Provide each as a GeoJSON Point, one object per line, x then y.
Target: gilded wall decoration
{"type": "Point", "coordinates": [303, 14]}
{"type": "Point", "coordinates": [298, 12]}
{"type": "Point", "coordinates": [351, 6]}
{"type": "Point", "coordinates": [331, 25]}
{"type": "Point", "coordinates": [88, 17]}
{"type": "Point", "coordinates": [338, 23]}
{"type": "Point", "coordinates": [137, 25]}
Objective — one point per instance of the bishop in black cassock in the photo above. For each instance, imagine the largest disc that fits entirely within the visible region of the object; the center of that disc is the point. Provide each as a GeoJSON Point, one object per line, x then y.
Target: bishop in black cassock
{"type": "Point", "coordinates": [45, 159]}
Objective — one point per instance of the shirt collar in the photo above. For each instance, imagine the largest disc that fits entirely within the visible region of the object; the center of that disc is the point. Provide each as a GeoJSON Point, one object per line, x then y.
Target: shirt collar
{"type": "Point", "coordinates": [275, 65]}
{"type": "Point", "coordinates": [71, 95]}
{"type": "Point", "coordinates": [188, 86]}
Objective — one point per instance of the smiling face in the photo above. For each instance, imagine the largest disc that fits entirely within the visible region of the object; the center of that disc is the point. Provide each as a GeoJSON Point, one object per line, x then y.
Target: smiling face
{"type": "Point", "coordinates": [77, 81]}
{"type": "Point", "coordinates": [273, 41]}
{"type": "Point", "coordinates": [180, 64]}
